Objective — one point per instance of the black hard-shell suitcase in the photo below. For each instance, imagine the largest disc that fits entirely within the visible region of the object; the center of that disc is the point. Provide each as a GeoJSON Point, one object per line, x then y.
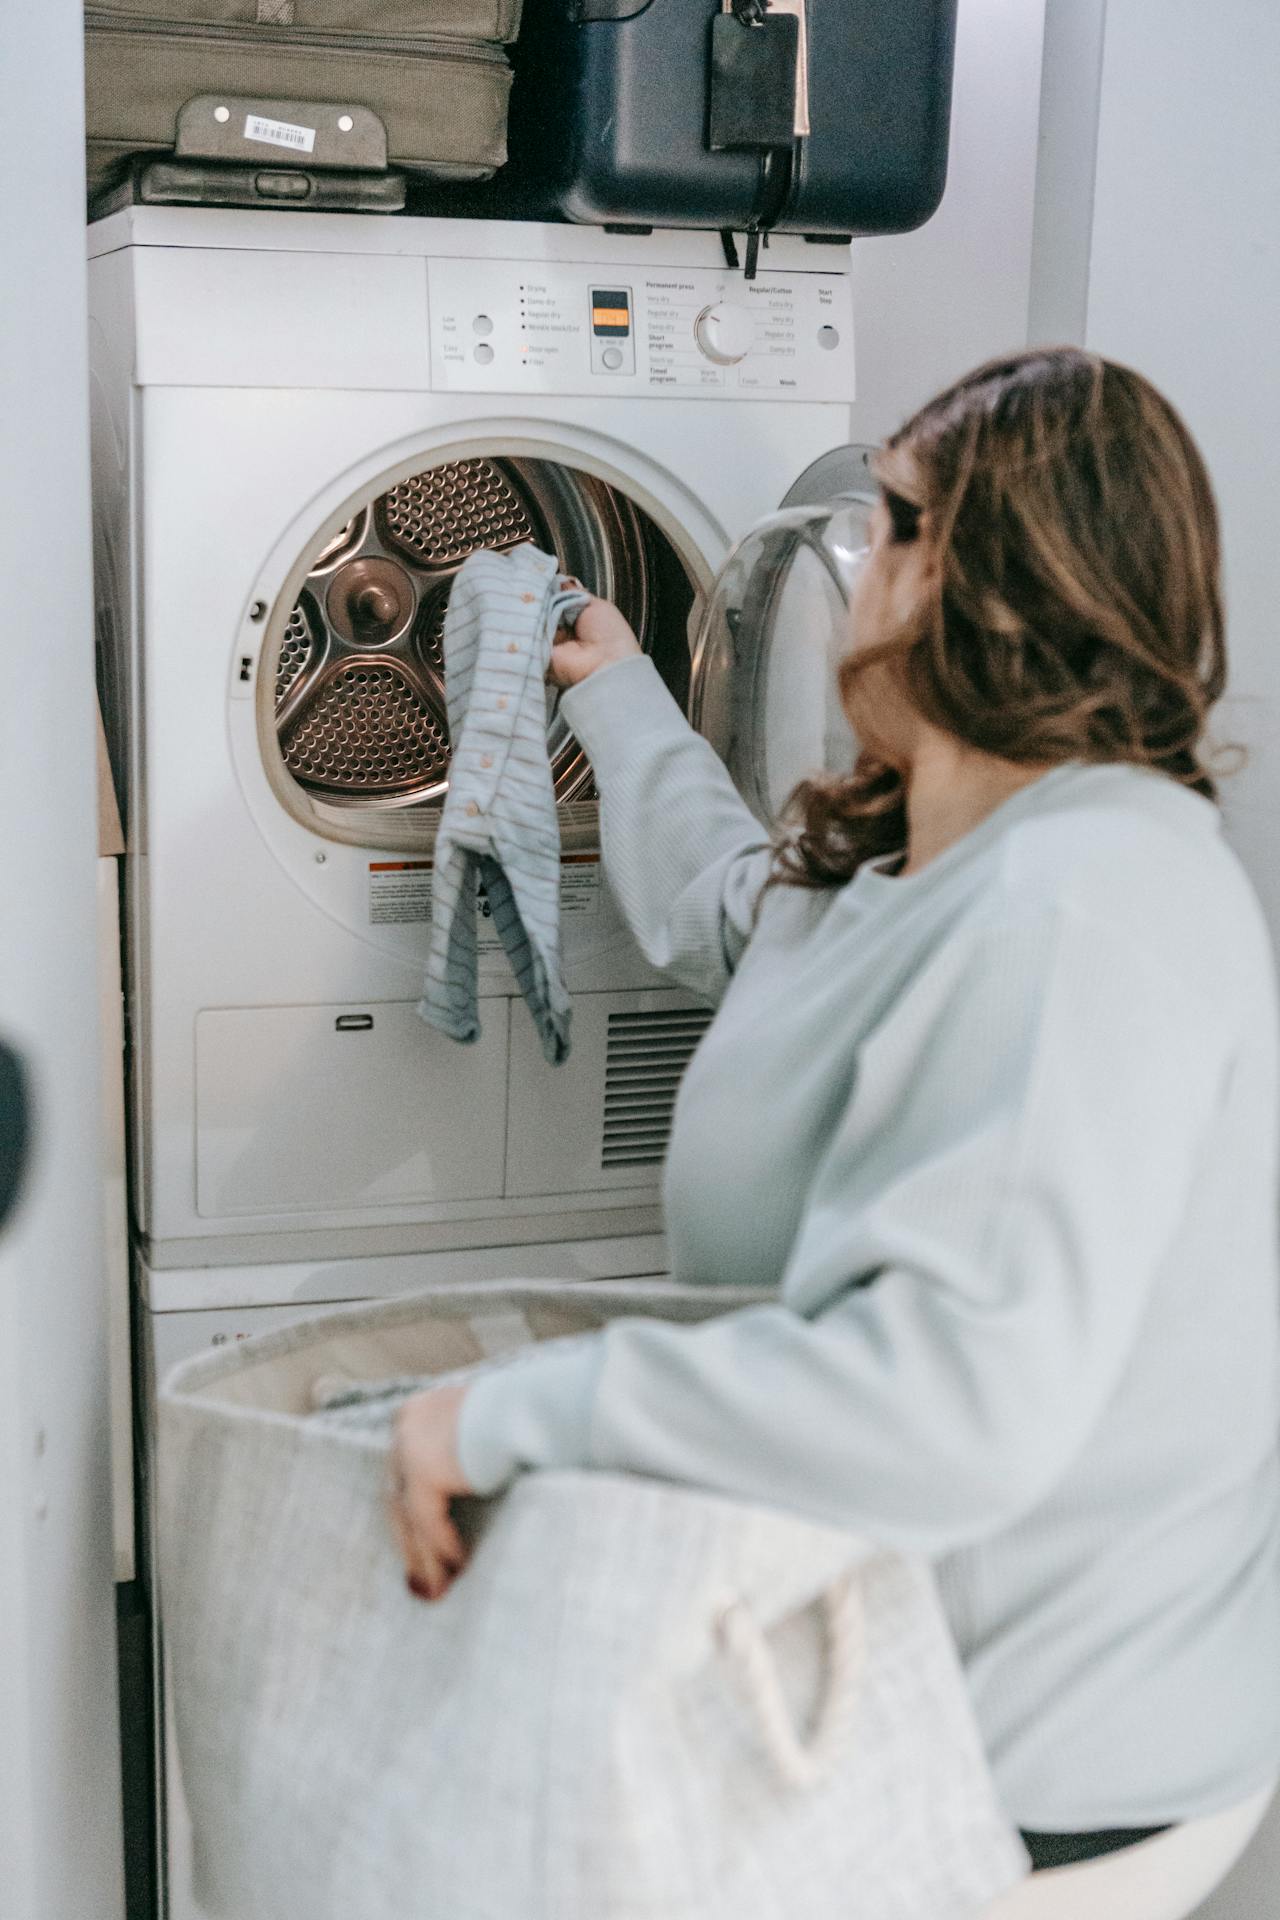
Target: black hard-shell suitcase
{"type": "Point", "coordinates": [615, 108]}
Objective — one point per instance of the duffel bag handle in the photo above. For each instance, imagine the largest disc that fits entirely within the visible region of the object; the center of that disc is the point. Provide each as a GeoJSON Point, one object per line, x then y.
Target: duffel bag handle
{"type": "Point", "coordinates": [801, 1762]}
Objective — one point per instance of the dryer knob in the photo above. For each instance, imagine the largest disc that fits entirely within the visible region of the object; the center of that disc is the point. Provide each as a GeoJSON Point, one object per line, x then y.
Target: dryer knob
{"type": "Point", "coordinates": [725, 333]}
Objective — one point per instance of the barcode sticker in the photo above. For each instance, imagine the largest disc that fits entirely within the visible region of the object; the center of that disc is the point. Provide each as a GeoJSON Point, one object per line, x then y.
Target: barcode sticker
{"type": "Point", "coordinates": [278, 133]}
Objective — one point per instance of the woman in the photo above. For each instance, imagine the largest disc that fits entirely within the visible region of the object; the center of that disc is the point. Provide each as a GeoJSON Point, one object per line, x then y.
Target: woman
{"type": "Point", "coordinates": [991, 1099]}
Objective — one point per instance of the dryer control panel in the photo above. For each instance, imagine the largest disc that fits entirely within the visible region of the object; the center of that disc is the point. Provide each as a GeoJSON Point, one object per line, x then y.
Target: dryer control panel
{"type": "Point", "coordinates": [500, 326]}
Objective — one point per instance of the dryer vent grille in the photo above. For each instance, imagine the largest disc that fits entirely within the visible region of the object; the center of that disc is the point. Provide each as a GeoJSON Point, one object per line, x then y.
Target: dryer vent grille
{"type": "Point", "coordinates": [645, 1061]}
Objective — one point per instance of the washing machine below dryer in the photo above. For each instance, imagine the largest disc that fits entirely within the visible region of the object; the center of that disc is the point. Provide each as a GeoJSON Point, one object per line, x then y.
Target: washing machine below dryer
{"type": "Point", "coordinates": [301, 426]}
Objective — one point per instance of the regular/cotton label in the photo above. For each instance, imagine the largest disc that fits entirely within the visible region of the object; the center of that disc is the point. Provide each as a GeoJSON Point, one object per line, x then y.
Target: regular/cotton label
{"type": "Point", "coordinates": [279, 133]}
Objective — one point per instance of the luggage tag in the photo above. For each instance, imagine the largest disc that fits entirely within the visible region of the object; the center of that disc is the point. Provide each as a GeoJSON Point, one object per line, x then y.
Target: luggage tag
{"type": "Point", "coordinates": [780, 9]}
{"type": "Point", "coordinates": [753, 80]}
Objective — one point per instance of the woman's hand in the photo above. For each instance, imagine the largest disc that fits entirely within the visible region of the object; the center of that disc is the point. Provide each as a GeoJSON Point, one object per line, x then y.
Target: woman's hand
{"type": "Point", "coordinates": [425, 1478]}
{"type": "Point", "coordinates": [601, 636]}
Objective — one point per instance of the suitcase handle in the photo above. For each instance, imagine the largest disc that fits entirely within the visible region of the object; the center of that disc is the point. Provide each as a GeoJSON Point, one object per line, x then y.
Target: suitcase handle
{"type": "Point", "coordinates": [311, 133]}
{"type": "Point", "coordinates": [801, 1763]}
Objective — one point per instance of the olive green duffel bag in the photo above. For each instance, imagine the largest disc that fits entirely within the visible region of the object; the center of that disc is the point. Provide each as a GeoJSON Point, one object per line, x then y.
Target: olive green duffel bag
{"type": "Point", "coordinates": [307, 84]}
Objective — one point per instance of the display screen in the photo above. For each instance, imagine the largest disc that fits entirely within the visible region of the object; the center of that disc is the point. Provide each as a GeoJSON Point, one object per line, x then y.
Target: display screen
{"type": "Point", "coordinates": [611, 312]}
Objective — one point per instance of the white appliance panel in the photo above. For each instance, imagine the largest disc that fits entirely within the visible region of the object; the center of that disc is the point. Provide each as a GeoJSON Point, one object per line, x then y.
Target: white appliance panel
{"type": "Point", "coordinates": [290, 320]}
{"type": "Point", "coordinates": [505, 327]}
{"type": "Point", "coordinates": [336, 1107]}
{"type": "Point", "coordinates": [301, 1287]}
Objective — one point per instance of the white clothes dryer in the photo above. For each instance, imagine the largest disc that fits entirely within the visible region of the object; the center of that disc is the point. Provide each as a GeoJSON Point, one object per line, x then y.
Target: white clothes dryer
{"type": "Point", "coordinates": [302, 424]}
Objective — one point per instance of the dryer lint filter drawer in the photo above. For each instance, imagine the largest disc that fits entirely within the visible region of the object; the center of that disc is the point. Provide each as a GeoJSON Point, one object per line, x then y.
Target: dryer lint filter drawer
{"type": "Point", "coordinates": [335, 1109]}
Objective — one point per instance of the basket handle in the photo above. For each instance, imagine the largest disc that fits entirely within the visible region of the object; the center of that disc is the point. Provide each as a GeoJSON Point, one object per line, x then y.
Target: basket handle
{"type": "Point", "coordinates": [799, 1762]}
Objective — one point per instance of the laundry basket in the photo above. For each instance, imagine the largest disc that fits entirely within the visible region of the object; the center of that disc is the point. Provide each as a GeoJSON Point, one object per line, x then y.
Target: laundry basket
{"type": "Point", "coordinates": [640, 1702]}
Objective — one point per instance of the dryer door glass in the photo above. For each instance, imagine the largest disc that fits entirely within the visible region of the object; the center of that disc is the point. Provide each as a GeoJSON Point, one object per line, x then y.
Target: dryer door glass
{"type": "Point", "coordinates": [359, 676]}
{"type": "Point", "coordinates": [765, 687]}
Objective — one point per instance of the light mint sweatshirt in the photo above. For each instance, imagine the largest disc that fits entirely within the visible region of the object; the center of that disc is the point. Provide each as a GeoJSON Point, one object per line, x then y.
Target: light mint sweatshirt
{"type": "Point", "coordinates": [1003, 1135]}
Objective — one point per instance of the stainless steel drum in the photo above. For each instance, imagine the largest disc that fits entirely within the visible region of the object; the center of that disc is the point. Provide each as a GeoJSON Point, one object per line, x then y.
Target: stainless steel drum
{"type": "Point", "coordinates": [359, 691]}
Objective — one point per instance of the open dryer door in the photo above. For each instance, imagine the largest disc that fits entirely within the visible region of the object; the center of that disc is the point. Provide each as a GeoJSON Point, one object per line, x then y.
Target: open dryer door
{"type": "Point", "coordinates": [765, 690]}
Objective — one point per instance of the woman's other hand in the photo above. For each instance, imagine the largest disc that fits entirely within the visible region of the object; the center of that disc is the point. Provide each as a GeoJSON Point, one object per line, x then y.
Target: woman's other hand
{"type": "Point", "coordinates": [425, 1479]}
{"type": "Point", "coordinates": [600, 637]}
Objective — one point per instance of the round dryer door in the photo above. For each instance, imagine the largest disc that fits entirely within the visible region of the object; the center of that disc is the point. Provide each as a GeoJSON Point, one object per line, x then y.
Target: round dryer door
{"type": "Point", "coordinates": [765, 690]}
{"type": "Point", "coordinates": [359, 677]}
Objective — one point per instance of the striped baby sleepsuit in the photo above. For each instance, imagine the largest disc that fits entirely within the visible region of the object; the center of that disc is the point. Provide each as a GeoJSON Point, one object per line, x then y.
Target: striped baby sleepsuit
{"type": "Point", "coordinates": [499, 828]}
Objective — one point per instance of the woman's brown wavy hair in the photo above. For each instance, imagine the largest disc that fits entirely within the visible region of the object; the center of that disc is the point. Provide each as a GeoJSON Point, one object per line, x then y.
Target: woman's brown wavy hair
{"type": "Point", "coordinates": [1076, 607]}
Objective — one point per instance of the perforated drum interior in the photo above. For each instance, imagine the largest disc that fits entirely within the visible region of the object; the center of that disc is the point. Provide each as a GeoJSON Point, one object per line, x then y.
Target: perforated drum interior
{"type": "Point", "coordinates": [359, 675]}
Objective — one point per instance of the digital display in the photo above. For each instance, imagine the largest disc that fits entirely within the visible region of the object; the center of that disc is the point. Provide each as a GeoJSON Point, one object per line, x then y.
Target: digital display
{"type": "Point", "coordinates": [610, 312]}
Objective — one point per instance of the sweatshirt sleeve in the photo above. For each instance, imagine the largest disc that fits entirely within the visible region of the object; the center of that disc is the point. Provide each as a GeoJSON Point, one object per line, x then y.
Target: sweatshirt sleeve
{"type": "Point", "coordinates": [685, 856]}
{"type": "Point", "coordinates": [969, 1277]}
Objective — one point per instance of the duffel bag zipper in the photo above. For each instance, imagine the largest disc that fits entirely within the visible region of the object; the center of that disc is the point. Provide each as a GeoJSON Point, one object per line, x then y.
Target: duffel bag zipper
{"type": "Point", "coordinates": [306, 39]}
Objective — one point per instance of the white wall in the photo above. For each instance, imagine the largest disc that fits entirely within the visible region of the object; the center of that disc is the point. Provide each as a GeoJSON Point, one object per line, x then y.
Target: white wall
{"type": "Point", "coordinates": [1182, 279]}
{"type": "Point", "coordinates": [1185, 283]}
{"type": "Point", "coordinates": [60, 1853]}
{"type": "Point", "coordinates": [932, 304]}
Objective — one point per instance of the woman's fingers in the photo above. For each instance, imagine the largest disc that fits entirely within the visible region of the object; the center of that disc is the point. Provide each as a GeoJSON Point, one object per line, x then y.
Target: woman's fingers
{"type": "Point", "coordinates": [570, 662]}
{"type": "Point", "coordinates": [429, 1574]}
{"type": "Point", "coordinates": [425, 1475]}
{"type": "Point", "coordinates": [600, 635]}
{"type": "Point", "coordinates": [430, 1545]}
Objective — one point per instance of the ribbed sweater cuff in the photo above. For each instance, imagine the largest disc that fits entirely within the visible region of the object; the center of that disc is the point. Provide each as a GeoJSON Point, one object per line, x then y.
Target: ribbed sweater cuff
{"type": "Point", "coordinates": [534, 1413]}
{"type": "Point", "coordinates": [619, 707]}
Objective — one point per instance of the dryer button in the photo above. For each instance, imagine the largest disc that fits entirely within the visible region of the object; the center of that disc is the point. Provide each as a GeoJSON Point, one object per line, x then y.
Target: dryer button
{"type": "Point", "coordinates": [611, 358]}
{"type": "Point", "coordinates": [484, 353]}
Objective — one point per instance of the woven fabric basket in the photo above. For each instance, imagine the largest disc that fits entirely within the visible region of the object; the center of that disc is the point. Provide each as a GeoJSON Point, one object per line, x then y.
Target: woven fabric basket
{"type": "Point", "coordinates": [640, 1702]}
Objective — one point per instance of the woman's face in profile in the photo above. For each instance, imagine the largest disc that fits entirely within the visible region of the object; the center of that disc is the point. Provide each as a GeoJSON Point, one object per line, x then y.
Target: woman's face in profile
{"type": "Point", "coordinates": [891, 582]}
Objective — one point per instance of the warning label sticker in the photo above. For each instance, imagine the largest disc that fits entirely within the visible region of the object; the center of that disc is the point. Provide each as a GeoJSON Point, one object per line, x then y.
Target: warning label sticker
{"type": "Point", "coordinates": [579, 884]}
{"type": "Point", "coordinates": [400, 894]}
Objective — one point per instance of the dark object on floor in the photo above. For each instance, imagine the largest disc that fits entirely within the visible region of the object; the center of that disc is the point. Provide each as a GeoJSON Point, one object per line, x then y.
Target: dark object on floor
{"type": "Point", "coordinates": [137, 1746]}
{"type": "Point", "coordinates": [15, 1128]}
